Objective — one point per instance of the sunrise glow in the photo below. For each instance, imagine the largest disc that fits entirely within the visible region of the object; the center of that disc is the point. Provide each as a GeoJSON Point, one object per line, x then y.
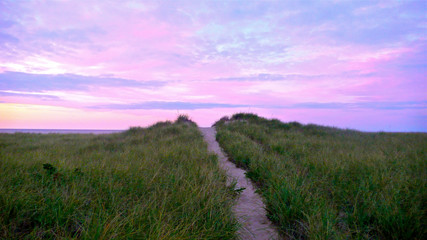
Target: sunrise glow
{"type": "Point", "coordinates": [115, 64]}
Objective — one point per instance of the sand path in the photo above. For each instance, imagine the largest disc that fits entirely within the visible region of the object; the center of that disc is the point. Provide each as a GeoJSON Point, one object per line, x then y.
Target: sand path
{"type": "Point", "coordinates": [249, 209]}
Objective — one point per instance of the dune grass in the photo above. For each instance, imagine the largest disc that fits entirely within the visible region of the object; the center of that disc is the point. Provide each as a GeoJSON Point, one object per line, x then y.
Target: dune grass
{"type": "Point", "coordinates": [327, 183]}
{"type": "Point", "coordinates": [154, 183]}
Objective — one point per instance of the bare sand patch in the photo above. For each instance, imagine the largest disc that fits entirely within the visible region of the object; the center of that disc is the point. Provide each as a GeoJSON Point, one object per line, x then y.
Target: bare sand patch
{"type": "Point", "coordinates": [249, 208]}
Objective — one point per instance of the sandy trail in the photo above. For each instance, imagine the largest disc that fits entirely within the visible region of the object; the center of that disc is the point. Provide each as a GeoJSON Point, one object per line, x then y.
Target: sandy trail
{"type": "Point", "coordinates": [249, 209]}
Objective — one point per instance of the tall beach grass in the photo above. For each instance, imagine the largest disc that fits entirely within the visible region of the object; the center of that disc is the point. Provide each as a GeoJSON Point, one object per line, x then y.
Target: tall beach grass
{"type": "Point", "coordinates": [328, 183]}
{"type": "Point", "coordinates": [146, 183]}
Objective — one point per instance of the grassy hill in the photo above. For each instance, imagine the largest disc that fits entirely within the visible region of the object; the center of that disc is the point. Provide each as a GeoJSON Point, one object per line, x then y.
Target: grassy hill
{"type": "Point", "coordinates": [153, 183]}
{"type": "Point", "coordinates": [161, 182]}
{"type": "Point", "coordinates": [327, 183]}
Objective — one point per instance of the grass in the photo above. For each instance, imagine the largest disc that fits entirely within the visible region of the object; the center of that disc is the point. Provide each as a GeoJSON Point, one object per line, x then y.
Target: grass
{"type": "Point", "coordinates": [328, 183]}
{"type": "Point", "coordinates": [154, 183]}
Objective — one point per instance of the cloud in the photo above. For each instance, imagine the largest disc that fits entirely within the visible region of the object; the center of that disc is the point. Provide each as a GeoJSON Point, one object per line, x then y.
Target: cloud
{"type": "Point", "coordinates": [290, 77]}
{"type": "Point", "coordinates": [74, 35]}
{"type": "Point", "coordinates": [158, 38]}
{"type": "Point", "coordinates": [258, 77]}
{"type": "Point", "coordinates": [4, 38]}
{"type": "Point", "coordinates": [33, 95]}
{"type": "Point", "coordinates": [359, 105]}
{"type": "Point", "coordinates": [306, 55]}
{"type": "Point", "coordinates": [303, 105]}
{"type": "Point", "coordinates": [18, 81]}
{"type": "Point", "coordinates": [168, 106]}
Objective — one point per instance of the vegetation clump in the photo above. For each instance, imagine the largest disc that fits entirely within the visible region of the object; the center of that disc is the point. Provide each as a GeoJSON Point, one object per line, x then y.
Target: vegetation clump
{"type": "Point", "coordinates": [49, 168]}
{"type": "Point", "coordinates": [327, 183]}
{"type": "Point", "coordinates": [185, 119]}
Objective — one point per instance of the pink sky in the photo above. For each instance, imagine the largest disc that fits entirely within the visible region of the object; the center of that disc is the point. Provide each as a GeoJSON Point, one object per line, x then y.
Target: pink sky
{"type": "Point", "coordinates": [114, 64]}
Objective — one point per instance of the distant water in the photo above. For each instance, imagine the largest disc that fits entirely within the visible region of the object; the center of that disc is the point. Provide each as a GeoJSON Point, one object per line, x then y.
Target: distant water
{"type": "Point", "coordinates": [60, 131]}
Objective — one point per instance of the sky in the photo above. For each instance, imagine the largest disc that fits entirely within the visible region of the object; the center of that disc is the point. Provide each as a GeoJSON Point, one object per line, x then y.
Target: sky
{"type": "Point", "coordinates": [104, 64]}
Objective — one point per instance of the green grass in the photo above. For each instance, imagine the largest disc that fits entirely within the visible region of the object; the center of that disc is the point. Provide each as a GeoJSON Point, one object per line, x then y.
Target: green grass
{"type": "Point", "coordinates": [155, 183]}
{"type": "Point", "coordinates": [327, 183]}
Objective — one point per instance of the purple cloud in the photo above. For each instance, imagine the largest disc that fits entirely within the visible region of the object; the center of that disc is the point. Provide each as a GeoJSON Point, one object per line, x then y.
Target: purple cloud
{"type": "Point", "coordinates": [169, 105]}
{"type": "Point", "coordinates": [31, 95]}
{"type": "Point", "coordinates": [18, 81]}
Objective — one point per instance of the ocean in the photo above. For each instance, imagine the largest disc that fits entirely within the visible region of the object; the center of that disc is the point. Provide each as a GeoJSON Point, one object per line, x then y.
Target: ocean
{"type": "Point", "coordinates": [60, 131]}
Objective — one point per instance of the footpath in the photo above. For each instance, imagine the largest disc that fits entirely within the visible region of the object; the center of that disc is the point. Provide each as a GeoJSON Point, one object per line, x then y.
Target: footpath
{"type": "Point", "coordinates": [249, 208]}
